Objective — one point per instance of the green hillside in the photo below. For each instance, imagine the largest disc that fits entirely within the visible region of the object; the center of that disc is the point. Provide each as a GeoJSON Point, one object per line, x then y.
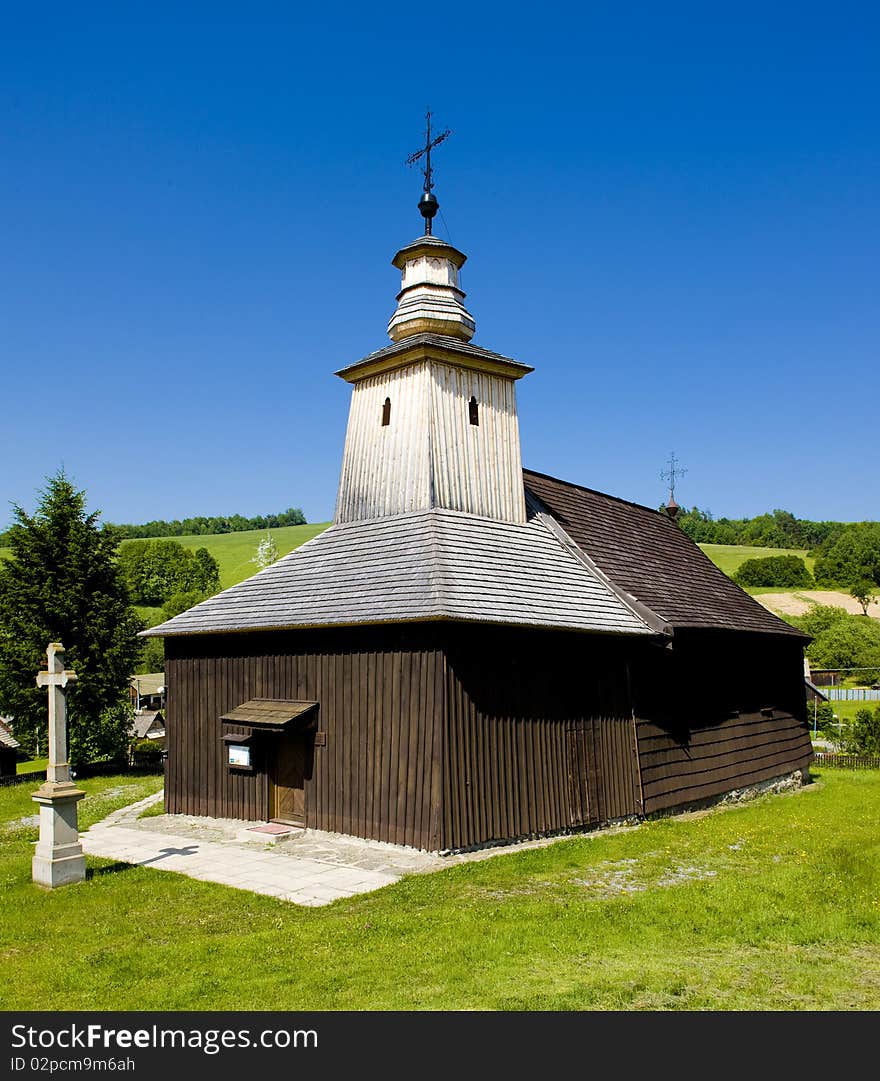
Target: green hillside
{"type": "Point", "coordinates": [234, 551]}
{"type": "Point", "coordinates": [729, 557]}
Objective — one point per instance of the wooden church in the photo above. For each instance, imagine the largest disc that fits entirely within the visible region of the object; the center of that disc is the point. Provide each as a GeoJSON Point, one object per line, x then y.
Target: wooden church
{"type": "Point", "coordinates": [473, 653]}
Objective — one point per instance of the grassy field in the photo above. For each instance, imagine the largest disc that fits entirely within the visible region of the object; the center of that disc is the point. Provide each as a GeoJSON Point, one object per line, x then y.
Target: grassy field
{"type": "Point", "coordinates": [234, 551]}
{"type": "Point", "coordinates": [729, 557]}
{"type": "Point", "coordinates": [771, 905]}
{"type": "Point", "coordinates": [32, 766]}
{"type": "Point", "coordinates": [846, 711]}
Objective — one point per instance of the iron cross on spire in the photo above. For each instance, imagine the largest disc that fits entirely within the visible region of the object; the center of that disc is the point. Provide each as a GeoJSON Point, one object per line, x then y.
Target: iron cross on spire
{"type": "Point", "coordinates": [673, 471]}
{"type": "Point", "coordinates": [428, 204]}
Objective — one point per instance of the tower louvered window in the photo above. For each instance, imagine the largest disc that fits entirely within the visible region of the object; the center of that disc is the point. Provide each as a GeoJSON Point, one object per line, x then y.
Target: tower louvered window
{"type": "Point", "coordinates": [386, 413]}
{"type": "Point", "coordinates": [473, 411]}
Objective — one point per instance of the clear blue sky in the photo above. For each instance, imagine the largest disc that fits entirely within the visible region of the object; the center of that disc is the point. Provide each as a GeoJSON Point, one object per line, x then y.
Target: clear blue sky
{"type": "Point", "coordinates": [670, 210]}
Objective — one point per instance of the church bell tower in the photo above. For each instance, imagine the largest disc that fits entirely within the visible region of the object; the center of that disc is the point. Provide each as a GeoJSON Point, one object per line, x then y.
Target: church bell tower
{"type": "Point", "coordinates": [433, 421]}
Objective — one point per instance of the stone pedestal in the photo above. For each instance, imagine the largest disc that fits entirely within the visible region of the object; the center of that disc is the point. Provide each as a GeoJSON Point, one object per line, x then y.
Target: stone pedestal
{"type": "Point", "coordinates": [58, 858]}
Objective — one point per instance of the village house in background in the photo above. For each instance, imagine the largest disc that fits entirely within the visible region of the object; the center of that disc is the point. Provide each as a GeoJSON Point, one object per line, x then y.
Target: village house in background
{"type": "Point", "coordinates": [8, 749]}
{"type": "Point", "coordinates": [147, 691]}
{"type": "Point", "coordinates": [150, 724]}
{"type": "Point", "coordinates": [147, 695]}
{"type": "Point", "coordinates": [473, 653]}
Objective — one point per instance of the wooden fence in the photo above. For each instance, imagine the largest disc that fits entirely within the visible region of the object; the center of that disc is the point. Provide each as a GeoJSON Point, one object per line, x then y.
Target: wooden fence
{"type": "Point", "coordinates": [852, 694]}
{"type": "Point", "coordinates": [847, 761]}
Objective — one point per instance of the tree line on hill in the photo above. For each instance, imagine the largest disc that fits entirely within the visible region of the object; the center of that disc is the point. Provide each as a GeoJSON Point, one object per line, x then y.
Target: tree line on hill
{"type": "Point", "coordinates": [851, 564]}
{"type": "Point", "coordinates": [155, 571]}
{"type": "Point", "coordinates": [846, 554]}
{"type": "Point", "coordinates": [199, 526]}
{"type": "Point", "coordinates": [781, 529]}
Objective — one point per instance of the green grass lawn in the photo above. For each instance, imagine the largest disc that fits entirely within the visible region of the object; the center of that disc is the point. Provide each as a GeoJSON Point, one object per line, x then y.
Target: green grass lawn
{"type": "Point", "coordinates": [771, 905]}
{"type": "Point", "coordinates": [847, 711]}
{"type": "Point", "coordinates": [729, 557]}
{"type": "Point", "coordinates": [33, 766]}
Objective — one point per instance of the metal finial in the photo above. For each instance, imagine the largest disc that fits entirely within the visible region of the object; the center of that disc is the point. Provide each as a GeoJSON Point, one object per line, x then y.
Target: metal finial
{"type": "Point", "coordinates": [673, 471]}
{"type": "Point", "coordinates": [428, 205]}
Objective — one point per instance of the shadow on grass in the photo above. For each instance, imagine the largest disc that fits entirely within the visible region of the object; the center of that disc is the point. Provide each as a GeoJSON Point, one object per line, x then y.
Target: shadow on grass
{"type": "Point", "coordinates": [114, 868]}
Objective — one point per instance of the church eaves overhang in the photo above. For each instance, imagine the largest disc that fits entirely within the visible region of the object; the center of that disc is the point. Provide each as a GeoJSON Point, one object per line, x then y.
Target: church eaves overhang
{"type": "Point", "coordinates": [434, 347]}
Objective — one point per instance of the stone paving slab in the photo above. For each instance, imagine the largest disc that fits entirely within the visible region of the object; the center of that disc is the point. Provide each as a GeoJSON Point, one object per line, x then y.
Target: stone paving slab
{"type": "Point", "coordinates": [302, 881]}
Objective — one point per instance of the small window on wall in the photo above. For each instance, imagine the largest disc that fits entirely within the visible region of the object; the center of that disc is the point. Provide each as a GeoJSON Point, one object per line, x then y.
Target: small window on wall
{"type": "Point", "coordinates": [386, 413]}
{"type": "Point", "coordinates": [473, 411]}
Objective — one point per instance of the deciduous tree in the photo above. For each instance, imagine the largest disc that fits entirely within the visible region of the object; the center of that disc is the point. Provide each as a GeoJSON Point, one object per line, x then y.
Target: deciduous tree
{"type": "Point", "coordinates": [865, 592]}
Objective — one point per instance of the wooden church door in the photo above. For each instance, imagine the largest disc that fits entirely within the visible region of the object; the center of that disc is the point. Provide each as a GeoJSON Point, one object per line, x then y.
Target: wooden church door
{"type": "Point", "coordinates": [603, 771]}
{"type": "Point", "coordinates": [287, 802]}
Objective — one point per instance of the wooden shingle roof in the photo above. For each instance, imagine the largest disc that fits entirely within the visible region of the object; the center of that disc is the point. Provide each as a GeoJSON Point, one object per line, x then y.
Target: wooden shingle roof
{"type": "Point", "coordinates": [652, 560]}
{"type": "Point", "coordinates": [270, 713]}
{"type": "Point", "coordinates": [426, 565]}
{"type": "Point", "coordinates": [419, 346]}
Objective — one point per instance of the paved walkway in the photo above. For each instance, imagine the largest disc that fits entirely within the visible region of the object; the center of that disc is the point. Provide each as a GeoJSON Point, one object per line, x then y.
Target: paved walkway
{"type": "Point", "coordinates": [245, 866]}
{"type": "Point", "coordinates": [308, 867]}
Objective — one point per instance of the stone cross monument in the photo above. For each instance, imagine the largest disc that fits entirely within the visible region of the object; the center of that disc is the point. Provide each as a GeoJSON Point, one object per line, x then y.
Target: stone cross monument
{"type": "Point", "coordinates": [58, 858]}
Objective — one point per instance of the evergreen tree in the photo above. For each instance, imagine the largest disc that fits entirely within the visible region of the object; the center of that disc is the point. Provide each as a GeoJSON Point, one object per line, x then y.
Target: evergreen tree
{"type": "Point", "coordinates": [61, 584]}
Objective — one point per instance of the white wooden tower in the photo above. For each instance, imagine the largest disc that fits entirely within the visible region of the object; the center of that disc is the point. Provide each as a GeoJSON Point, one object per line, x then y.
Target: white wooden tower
{"type": "Point", "coordinates": [433, 422]}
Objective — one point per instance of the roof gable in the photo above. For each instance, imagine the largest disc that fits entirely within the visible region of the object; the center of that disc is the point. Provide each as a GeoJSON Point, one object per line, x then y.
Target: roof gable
{"type": "Point", "coordinates": [650, 558]}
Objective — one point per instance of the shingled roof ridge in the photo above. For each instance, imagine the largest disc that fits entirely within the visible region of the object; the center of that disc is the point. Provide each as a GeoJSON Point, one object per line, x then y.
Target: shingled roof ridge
{"type": "Point", "coordinates": [654, 621]}
{"type": "Point", "coordinates": [595, 491]}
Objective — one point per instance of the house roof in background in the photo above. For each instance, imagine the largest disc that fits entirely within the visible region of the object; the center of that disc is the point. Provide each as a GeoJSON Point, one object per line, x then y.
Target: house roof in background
{"type": "Point", "coordinates": [6, 737]}
{"type": "Point", "coordinates": [652, 560]}
{"type": "Point", "coordinates": [146, 720]}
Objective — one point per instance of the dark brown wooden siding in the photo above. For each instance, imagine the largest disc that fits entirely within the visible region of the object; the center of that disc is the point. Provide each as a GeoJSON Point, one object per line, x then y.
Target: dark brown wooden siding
{"type": "Point", "coordinates": [379, 694]}
{"type": "Point", "coordinates": [718, 712]}
{"type": "Point", "coordinates": [736, 752]}
{"type": "Point", "coordinates": [535, 721]}
{"type": "Point", "coordinates": [448, 736]}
